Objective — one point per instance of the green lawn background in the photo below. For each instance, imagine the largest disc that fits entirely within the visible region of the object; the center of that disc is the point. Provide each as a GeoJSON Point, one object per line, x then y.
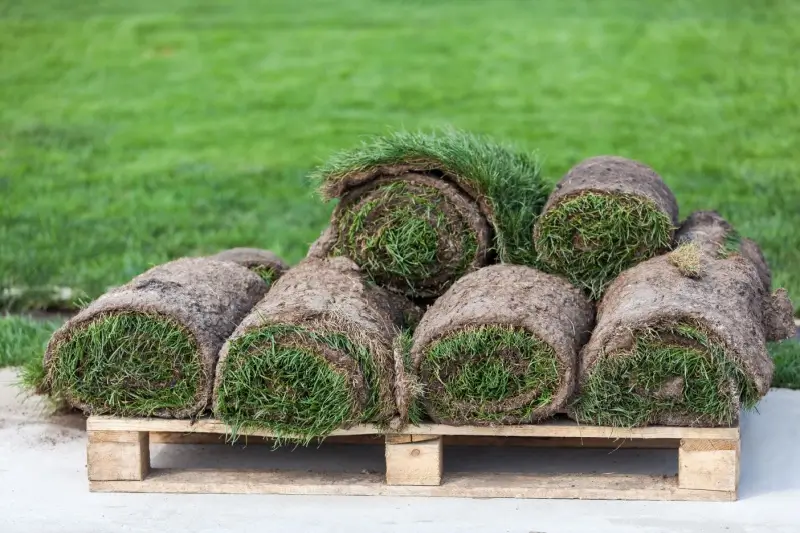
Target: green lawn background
{"type": "Point", "coordinates": [136, 132]}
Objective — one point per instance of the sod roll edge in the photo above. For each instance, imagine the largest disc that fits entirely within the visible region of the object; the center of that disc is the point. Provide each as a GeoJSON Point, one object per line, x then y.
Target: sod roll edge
{"type": "Point", "coordinates": [149, 347]}
{"type": "Point", "coordinates": [417, 211]}
{"type": "Point", "coordinates": [314, 355]}
{"type": "Point", "coordinates": [500, 347]}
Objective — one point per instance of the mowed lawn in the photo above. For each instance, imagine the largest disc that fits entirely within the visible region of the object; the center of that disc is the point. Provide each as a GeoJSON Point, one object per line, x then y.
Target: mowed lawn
{"type": "Point", "coordinates": [135, 132]}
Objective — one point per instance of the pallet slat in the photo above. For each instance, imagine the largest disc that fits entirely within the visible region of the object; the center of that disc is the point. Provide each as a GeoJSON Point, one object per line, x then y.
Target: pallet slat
{"type": "Point", "coordinates": [447, 440]}
{"type": "Point", "coordinates": [598, 487]}
{"type": "Point", "coordinates": [559, 428]}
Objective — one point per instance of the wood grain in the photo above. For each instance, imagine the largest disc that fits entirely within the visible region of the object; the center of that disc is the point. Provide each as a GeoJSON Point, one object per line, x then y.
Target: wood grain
{"type": "Point", "coordinates": [117, 455]}
{"type": "Point", "coordinates": [709, 464]}
{"type": "Point", "coordinates": [415, 462]}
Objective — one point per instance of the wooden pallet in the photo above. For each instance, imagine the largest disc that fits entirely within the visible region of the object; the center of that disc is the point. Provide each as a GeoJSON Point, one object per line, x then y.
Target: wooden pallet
{"type": "Point", "coordinates": [118, 458]}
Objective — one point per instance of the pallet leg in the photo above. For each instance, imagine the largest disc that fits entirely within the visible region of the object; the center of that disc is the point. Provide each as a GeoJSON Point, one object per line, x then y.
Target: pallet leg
{"type": "Point", "coordinates": [708, 464]}
{"type": "Point", "coordinates": [413, 460]}
{"type": "Point", "coordinates": [118, 455]}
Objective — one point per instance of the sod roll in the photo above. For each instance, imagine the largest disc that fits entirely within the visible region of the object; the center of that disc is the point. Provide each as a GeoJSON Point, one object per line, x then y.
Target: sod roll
{"type": "Point", "coordinates": [715, 236]}
{"type": "Point", "coordinates": [149, 347]}
{"type": "Point", "coordinates": [677, 343]}
{"type": "Point", "coordinates": [500, 347]}
{"type": "Point", "coordinates": [314, 355]}
{"type": "Point", "coordinates": [263, 262]}
{"type": "Point", "coordinates": [418, 211]}
{"type": "Point", "coordinates": [607, 214]}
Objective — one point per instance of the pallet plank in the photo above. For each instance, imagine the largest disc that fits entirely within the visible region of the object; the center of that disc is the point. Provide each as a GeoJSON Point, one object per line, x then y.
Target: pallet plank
{"type": "Point", "coordinates": [558, 428]}
{"type": "Point", "coordinates": [472, 485]}
{"type": "Point", "coordinates": [448, 440]}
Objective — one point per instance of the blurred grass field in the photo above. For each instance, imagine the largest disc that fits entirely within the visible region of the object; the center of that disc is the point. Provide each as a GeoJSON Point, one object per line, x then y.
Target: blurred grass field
{"type": "Point", "coordinates": [135, 132]}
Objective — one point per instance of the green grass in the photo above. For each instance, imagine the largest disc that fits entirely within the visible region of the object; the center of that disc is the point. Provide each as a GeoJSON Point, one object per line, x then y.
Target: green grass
{"type": "Point", "coordinates": [23, 339]}
{"type": "Point", "coordinates": [731, 245]}
{"type": "Point", "coordinates": [128, 364]}
{"type": "Point", "coordinates": [136, 132]}
{"type": "Point", "coordinates": [404, 239]}
{"type": "Point", "coordinates": [468, 375]}
{"type": "Point", "coordinates": [630, 389]}
{"type": "Point", "coordinates": [276, 378]}
{"type": "Point", "coordinates": [266, 273]}
{"type": "Point", "coordinates": [416, 405]}
{"type": "Point", "coordinates": [508, 180]}
{"type": "Point", "coordinates": [22, 343]}
{"type": "Point", "coordinates": [786, 355]}
{"type": "Point", "coordinates": [593, 237]}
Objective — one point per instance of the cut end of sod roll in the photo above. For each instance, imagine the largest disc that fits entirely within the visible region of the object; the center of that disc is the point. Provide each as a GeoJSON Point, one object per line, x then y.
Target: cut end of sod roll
{"type": "Point", "coordinates": [129, 364]}
{"type": "Point", "coordinates": [316, 354]}
{"type": "Point", "coordinates": [500, 347]}
{"type": "Point", "coordinates": [674, 375]}
{"type": "Point", "coordinates": [417, 231]}
{"type": "Point", "coordinates": [606, 215]}
{"type": "Point", "coordinates": [149, 347]}
{"type": "Point", "coordinates": [490, 373]}
{"type": "Point", "coordinates": [296, 382]}
{"type": "Point", "coordinates": [417, 211]}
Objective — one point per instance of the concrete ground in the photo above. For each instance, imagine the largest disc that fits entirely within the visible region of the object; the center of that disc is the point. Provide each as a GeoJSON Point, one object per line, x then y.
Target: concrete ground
{"type": "Point", "coordinates": [44, 487]}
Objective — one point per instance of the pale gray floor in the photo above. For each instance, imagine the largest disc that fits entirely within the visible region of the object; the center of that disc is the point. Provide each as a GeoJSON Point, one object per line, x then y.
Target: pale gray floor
{"type": "Point", "coordinates": [43, 486]}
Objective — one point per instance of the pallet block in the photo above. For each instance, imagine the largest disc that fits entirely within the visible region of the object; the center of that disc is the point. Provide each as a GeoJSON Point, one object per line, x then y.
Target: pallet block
{"type": "Point", "coordinates": [708, 459]}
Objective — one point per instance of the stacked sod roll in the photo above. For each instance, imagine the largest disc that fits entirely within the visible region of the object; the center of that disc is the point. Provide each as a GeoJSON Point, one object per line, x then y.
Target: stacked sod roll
{"type": "Point", "coordinates": [149, 348]}
{"type": "Point", "coordinates": [314, 355]}
{"type": "Point", "coordinates": [265, 263]}
{"type": "Point", "coordinates": [681, 338]}
{"type": "Point", "coordinates": [607, 214]}
{"type": "Point", "coordinates": [501, 347]}
{"type": "Point", "coordinates": [418, 211]}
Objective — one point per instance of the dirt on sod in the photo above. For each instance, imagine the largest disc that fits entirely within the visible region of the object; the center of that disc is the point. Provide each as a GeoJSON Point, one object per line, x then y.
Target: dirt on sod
{"type": "Point", "coordinates": [263, 262]}
{"type": "Point", "coordinates": [677, 349]}
{"type": "Point", "coordinates": [607, 214]}
{"type": "Point", "coordinates": [315, 355]}
{"type": "Point", "coordinates": [708, 231]}
{"type": "Point", "coordinates": [500, 347]}
{"type": "Point", "coordinates": [717, 236]}
{"type": "Point", "coordinates": [418, 211]}
{"type": "Point", "coordinates": [149, 348]}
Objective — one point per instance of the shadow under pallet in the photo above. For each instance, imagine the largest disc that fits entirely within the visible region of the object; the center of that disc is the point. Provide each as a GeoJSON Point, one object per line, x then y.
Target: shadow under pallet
{"type": "Point", "coordinates": [558, 459]}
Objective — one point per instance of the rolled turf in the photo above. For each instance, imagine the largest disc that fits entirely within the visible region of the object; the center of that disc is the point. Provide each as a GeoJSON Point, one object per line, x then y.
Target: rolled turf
{"type": "Point", "coordinates": [500, 347]}
{"type": "Point", "coordinates": [716, 236]}
{"type": "Point", "coordinates": [149, 348]}
{"type": "Point", "coordinates": [607, 214]}
{"type": "Point", "coordinates": [680, 340]}
{"type": "Point", "coordinates": [417, 211]}
{"type": "Point", "coordinates": [263, 262]}
{"type": "Point", "coordinates": [315, 355]}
